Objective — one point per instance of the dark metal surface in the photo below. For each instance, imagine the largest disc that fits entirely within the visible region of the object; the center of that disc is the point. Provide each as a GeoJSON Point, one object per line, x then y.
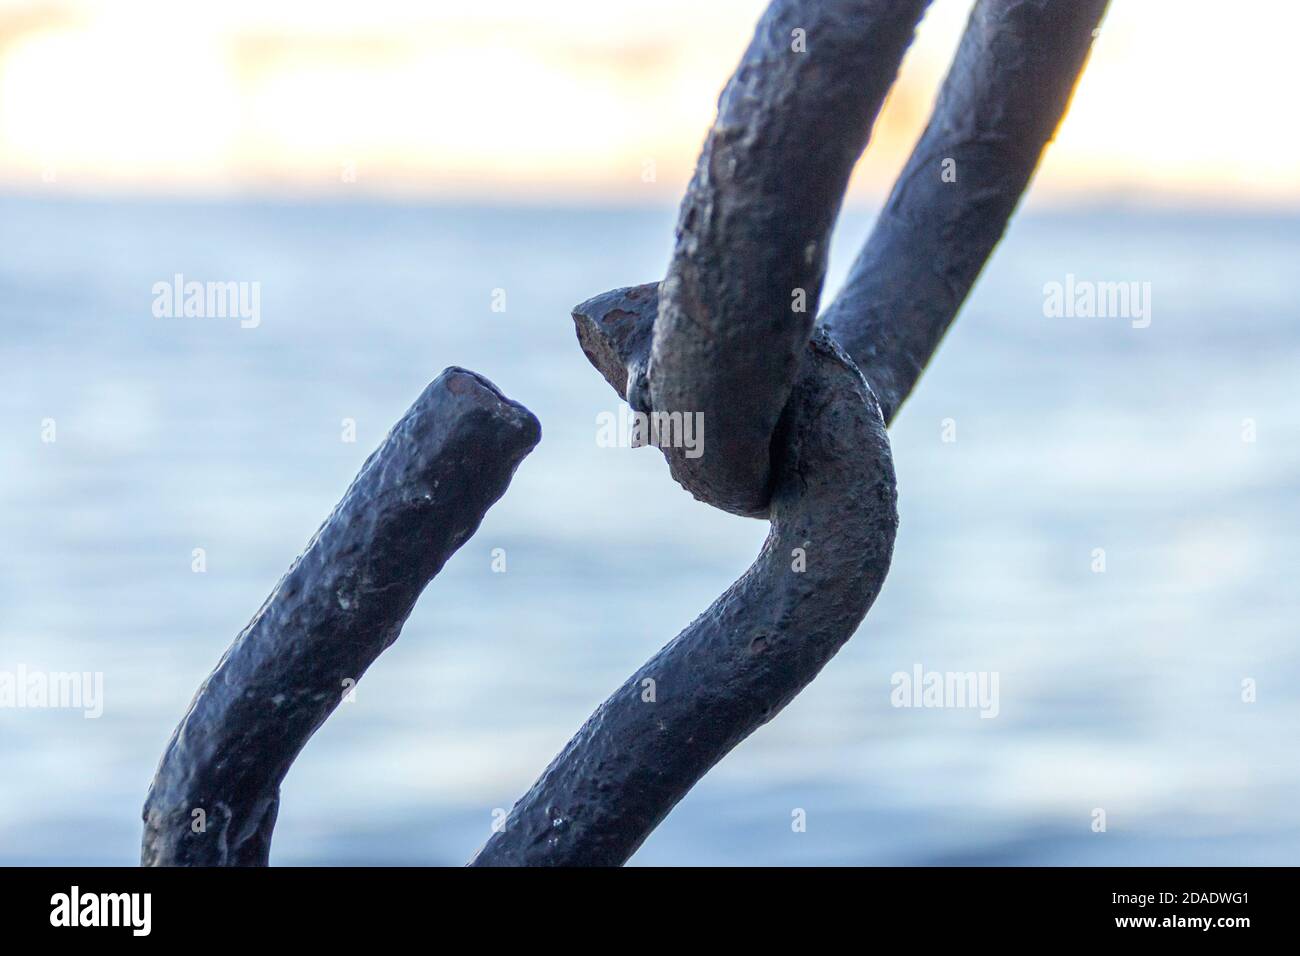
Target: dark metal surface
{"type": "Point", "coordinates": [716, 344]}
{"type": "Point", "coordinates": [793, 431]}
{"type": "Point", "coordinates": [1001, 103]}
{"type": "Point", "coordinates": [417, 499]}
{"type": "Point", "coordinates": [741, 293]}
{"type": "Point", "coordinates": [754, 649]}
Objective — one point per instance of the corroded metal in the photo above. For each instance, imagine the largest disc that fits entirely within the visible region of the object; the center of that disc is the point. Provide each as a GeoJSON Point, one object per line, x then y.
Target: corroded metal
{"type": "Point", "coordinates": [416, 500]}
{"type": "Point", "coordinates": [741, 293]}
{"type": "Point", "coordinates": [703, 339]}
{"type": "Point", "coordinates": [999, 106]}
{"type": "Point", "coordinates": [833, 514]}
{"type": "Point", "coordinates": [794, 432]}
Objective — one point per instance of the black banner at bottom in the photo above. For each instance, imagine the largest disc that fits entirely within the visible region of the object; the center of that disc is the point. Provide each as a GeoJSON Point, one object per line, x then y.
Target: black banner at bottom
{"type": "Point", "coordinates": [339, 905]}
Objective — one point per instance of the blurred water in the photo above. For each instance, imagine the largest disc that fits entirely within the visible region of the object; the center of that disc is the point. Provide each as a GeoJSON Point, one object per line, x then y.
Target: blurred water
{"type": "Point", "coordinates": [1119, 690]}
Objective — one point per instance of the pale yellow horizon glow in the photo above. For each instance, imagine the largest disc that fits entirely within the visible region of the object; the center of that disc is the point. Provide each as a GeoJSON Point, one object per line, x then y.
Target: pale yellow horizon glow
{"type": "Point", "coordinates": [576, 100]}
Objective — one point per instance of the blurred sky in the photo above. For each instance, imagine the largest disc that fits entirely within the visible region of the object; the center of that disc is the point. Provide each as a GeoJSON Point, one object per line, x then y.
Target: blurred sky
{"type": "Point", "coordinates": [1185, 101]}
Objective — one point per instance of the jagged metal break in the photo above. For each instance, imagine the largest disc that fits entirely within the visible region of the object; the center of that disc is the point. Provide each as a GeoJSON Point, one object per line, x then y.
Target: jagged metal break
{"type": "Point", "coordinates": [834, 516]}
{"type": "Point", "coordinates": [741, 292]}
{"type": "Point", "coordinates": [832, 476]}
{"type": "Point", "coordinates": [416, 500]}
